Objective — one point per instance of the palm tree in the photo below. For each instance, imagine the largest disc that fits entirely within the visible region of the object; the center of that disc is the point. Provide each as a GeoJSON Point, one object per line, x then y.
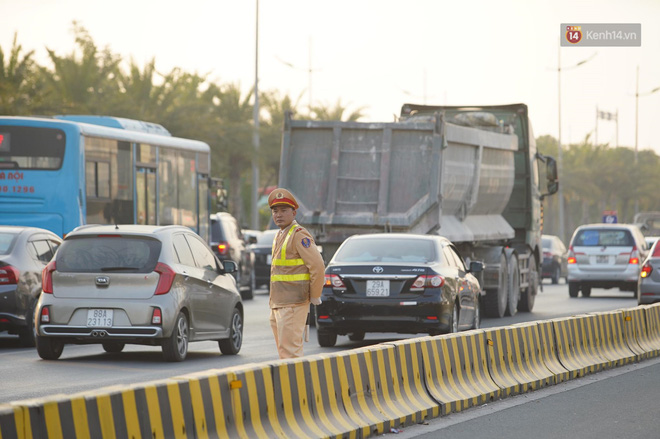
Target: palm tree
{"type": "Point", "coordinates": [18, 82]}
{"type": "Point", "coordinates": [336, 112]}
{"type": "Point", "coordinates": [85, 83]}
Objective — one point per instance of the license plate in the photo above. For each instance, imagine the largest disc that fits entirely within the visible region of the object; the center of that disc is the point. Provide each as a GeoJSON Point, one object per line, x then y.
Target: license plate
{"type": "Point", "coordinates": [602, 259]}
{"type": "Point", "coordinates": [378, 288]}
{"type": "Point", "coordinates": [269, 259]}
{"type": "Point", "coordinates": [99, 318]}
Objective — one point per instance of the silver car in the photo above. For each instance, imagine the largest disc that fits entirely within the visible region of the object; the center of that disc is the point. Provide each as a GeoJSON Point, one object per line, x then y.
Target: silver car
{"type": "Point", "coordinates": [605, 256]}
{"type": "Point", "coordinates": [149, 285]}
{"type": "Point", "coordinates": [648, 288]}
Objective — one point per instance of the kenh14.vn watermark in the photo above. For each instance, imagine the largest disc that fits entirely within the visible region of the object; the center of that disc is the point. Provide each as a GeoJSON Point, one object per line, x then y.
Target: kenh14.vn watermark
{"type": "Point", "coordinates": [601, 34]}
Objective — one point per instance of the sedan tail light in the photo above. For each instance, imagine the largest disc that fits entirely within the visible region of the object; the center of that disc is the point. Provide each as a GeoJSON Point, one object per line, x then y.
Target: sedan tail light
{"type": "Point", "coordinates": [9, 275]}
{"type": "Point", "coordinates": [571, 256]}
{"type": "Point", "coordinates": [427, 281]}
{"type": "Point", "coordinates": [223, 248]}
{"type": "Point", "coordinates": [166, 278]}
{"type": "Point", "coordinates": [634, 256]}
{"type": "Point", "coordinates": [334, 281]}
{"type": "Point", "coordinates": [47, 277]}
{"type": "Point", "coordinates": [646, 270]}
{"type": "Point", "coordinates": [547, 254]}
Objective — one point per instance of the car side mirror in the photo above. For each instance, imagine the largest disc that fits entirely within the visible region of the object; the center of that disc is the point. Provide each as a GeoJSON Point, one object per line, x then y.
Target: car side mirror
{"type": "Point", "coordinates": [230, 267]}
{"type": "Point", "coordinates": [476, 267]}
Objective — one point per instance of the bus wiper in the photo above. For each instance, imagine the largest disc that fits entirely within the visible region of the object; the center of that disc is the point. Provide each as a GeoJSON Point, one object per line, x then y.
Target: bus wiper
{"type": "Point", "coordinates": [119, 268]}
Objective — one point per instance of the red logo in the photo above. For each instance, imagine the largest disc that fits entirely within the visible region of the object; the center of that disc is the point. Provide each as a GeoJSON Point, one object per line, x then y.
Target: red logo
{"type": "Point", "coordinates": [2, 138]}
{"type": "Point", "coordinates": [573, 34]}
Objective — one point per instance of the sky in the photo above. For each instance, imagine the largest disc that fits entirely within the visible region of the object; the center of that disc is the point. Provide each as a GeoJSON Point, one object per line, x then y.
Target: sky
{"type": "Point", "coordinates": [379, 54]}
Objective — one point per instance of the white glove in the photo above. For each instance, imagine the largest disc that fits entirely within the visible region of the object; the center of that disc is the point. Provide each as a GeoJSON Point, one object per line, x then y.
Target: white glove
{"type": "Point", "coordinates": [316, 300]}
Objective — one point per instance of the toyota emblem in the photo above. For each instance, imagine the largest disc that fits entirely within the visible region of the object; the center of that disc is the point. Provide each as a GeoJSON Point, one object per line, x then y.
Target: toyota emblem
{"type": "Point", "coordinates": [378, 270]}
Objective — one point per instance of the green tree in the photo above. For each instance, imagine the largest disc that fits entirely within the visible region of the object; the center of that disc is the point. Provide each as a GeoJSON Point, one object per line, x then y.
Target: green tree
{"type": "Point", "coordinates": [84, 82]}
{"type": "Point", "coordinates": [336, 112]}
{"type": "Point", "coordinates": [18, 85]}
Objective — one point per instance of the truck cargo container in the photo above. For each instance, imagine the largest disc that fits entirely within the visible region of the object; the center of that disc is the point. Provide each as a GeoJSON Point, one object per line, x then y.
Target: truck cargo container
{"type": "Point", "coordinates": [471, 174]}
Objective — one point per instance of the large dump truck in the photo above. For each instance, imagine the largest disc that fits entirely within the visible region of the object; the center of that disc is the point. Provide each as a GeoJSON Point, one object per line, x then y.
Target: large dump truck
{"type": "Point", "coordinates": [471, 174]}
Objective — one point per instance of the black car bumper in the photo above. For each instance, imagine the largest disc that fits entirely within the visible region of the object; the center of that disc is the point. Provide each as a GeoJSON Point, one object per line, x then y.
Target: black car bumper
{"type": "Point", "coordinates": [387, 315]}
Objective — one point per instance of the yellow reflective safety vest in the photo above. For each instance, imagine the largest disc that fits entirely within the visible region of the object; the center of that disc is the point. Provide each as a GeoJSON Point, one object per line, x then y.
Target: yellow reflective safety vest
{"type": "Point", "coordinates": [297, 271]}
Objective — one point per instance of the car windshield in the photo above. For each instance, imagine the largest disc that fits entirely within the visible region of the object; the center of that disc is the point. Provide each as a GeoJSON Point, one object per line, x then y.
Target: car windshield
{"type": "Point", "coordinates": [386, 250]}
{"type": "Point", "coordinates": [267, 237]}
{"type": "Point", "coordinates": [99, 254]}
{"type": "Point", "coordinates": [603, 237]}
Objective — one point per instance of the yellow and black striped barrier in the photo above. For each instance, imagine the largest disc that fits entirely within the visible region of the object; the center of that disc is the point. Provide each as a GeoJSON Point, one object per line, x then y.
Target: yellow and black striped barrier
{"type": "Point", "coordinates": [548, 344]}
{"type": "Point", "coordinates": [456, 371]}
{"type": "Point", "coordinates": [349, 394]}
{"type": "Point", "coordinates": [653, 329]}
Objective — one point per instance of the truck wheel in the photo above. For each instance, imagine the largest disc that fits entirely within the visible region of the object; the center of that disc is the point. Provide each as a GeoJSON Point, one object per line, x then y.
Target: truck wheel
{"type": "Point", "coordinates": [514, 286]}
{"type": "Point", "coordinates": [573, 289]}
{"type": "Point", "coordinates": [496, 299]}
{"type": "Point", "coordinates": [528, 298]}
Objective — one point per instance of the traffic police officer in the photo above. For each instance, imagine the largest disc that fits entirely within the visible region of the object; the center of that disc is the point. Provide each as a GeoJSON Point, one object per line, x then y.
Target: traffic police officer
{"type": "Point", "coordinates": [297, 275]}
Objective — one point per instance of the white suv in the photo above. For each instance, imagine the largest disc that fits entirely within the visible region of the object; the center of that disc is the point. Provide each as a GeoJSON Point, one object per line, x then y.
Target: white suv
{"type": "Point", "coordinates": [605, 256]}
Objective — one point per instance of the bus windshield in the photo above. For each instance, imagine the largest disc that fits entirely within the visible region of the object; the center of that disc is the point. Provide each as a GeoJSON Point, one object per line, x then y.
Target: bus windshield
{"type": "Point", "coordinates": [31, 148]}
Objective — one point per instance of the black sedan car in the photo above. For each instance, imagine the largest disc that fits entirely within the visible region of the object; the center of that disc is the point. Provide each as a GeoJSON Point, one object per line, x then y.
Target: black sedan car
{"type": "Point", "coordinates": [555, 259]}
{"type": "Point", "coordinates": [261, 250]}
{"type": "Point", "coordinates": [400, 283]}
{"type": "Point", "coordinates": [24, 252]}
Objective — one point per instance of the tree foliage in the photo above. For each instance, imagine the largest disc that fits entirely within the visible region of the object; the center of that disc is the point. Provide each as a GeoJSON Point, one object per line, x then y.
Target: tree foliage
{"type": "Point", "coordinates": [93, 80]}
{"type": "Point", "coordinates": [596, 178]}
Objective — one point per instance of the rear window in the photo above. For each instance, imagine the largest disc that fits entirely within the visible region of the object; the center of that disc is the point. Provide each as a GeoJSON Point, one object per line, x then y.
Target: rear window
{"type": "Point", "coordinates": [603, 237]}
{"type": "Point", "coordinates": [547, 243]}
{"type": "Point", "coordinates": [108, 254]}
{"type": "Point", "coordinates": [31, 148]}
{"type": "Point", "coordinates": [267, 237]}
{"type": "Point", "coordinates": [386, 250]}
{"type": "Point", "coordinates": [7, 242]}
{"type": "Point", "coordinates": [217, 234]}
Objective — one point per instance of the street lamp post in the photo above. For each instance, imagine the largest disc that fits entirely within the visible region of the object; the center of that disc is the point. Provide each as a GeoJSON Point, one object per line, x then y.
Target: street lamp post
{"type": "Point", "coordinates": [255, 132]}
{"type": "Point", "coordinates": [560, 192]}
{"type": "Point", "coordinates": [637, 95]}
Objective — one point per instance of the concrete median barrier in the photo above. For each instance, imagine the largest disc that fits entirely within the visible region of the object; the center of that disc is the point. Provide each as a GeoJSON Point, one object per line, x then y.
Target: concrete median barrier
{"type": "Point", "coordinates": [549, 356]}
{"type": "Point", "coordinates": [409, 369]}
{"type": "Point", "coordinates": [530, 347]}
{"type": "Point", "coordinates": [652, 313]}
{"type": "Point", "coordinates": [508, 362]}
{"type": "Point", "coordinates": [574, 349]}
{"type": "Point", "coordinates": [635, 332]}
{"type": "Point", "coordinates": [456, 371]}
{"type": "Point", "coordinates": [613, 345]}
{"type": "Point", "coordinates": [349, 394]}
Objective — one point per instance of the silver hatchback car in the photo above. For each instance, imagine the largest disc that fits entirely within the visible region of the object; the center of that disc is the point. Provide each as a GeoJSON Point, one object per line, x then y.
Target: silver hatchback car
{"type": "Point", "coordinates": [149, 285]}
{"type": "Point", "coordinates": [605, 256]}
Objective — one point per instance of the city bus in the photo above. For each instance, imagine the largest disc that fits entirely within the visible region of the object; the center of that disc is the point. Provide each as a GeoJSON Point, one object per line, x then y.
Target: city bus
{"type": "Point", "coordinates": [62, 172]}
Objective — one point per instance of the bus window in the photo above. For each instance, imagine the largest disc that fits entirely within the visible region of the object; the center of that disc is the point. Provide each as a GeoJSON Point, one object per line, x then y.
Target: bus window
{"type": "Point", "coordinates": [187, 192]}
{"type": "Point", "coordinates": [31, 148]}
{"type": "Point", "coordinates": [109, 184]}
{"type": "Point", "coordinates": [167, 186]}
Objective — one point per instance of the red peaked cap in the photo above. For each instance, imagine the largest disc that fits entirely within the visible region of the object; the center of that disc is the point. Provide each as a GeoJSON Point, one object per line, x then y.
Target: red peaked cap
{"type": "Point", "coordinates": [282, 197]}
